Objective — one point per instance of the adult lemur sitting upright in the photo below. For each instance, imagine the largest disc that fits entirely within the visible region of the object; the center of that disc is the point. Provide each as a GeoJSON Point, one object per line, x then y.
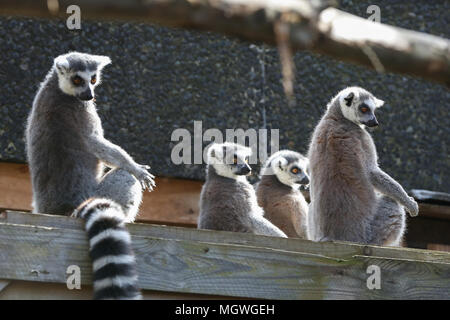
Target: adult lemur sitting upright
{"type": "Point", "coordinates": [66, 150]}
{"type": "Point", "coordinates": [352, 199]}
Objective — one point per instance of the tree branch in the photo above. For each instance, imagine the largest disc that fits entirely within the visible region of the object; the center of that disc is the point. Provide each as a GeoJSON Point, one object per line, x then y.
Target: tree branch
{"type": "Point", "coordinates": [332, 32]}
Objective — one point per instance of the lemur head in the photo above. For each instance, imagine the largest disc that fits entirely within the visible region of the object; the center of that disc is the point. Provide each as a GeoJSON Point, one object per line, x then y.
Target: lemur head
{"type": "Point", "coordinates": [79, 73]}
{"type": "Point", "coordinates": [290, 168]}
{"type": "Point", "coordinates": [229, 159]}
{"type": "Point", "coordinates": [358, 105]}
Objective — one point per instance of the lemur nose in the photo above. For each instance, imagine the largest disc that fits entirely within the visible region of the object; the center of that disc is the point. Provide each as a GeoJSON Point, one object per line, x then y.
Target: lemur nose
{"type": "Point", "coordinates": [86, 95]}
{"type": "Point", "coordinates": [305, 180]}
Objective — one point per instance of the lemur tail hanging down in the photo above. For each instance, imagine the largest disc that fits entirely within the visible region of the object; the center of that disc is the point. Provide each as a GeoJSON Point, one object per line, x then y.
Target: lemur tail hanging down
{"type": "Point", "coordinates": [113, 261]}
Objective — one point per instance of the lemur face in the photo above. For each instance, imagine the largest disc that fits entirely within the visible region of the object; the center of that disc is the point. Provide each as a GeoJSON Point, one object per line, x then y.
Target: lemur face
{"type": "Point", "coordinates": [229, 159]}
{"type": "Point", "coordinates": [291, 171]}
{"type": "Point", "coordinates": [290, 168]}
{"type": "Point", "coordinates": [79, 74]}
{"type": "Point", "coordinates": [358, 106]}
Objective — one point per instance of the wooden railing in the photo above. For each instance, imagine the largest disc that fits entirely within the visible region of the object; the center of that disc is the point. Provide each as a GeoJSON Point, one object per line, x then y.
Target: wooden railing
{"type": "Point", "coordinates": [39, 248]}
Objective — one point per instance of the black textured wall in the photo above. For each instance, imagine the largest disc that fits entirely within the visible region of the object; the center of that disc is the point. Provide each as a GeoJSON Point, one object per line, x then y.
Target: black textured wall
{"type": "Point", "coordinates": [162, 79]}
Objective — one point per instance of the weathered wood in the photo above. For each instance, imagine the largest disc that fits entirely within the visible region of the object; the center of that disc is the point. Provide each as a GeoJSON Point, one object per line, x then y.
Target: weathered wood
{"type": "Point", "coordinates": [4, 284]}
{"type": "Point", "coordinates": [331, 31]}
{"type": "Point", "coordinates": [174, 201]}
{"type": "Point", "coordinates": [336, 249]}
{"type": "Point", "coordinates": [39, 253]}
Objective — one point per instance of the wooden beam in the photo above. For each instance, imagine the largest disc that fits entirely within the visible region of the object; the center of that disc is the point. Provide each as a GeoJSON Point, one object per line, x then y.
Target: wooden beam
{"type": "Point", "coordinates": [173, 202]}
{"type": "Point", "coordinates": [4, 284]}
{"type": "Point", "coordinates": [174, 264]}
{"type": "Point", "coordinates": [335, 249]}
{"type": "Point", "coordinates": [330, 31]}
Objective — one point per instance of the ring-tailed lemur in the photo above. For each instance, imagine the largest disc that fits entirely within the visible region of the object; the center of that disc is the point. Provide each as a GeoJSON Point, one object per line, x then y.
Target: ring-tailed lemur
{"type": "Point", "coordinates": [113, 262]}
{"type": "Point", "coordinates": [227, 200]}
{"type": "Point", "coordinates": [66, 149]}
{"type": "Point", "coordinates": [352, 199]}
{"type": "Point", "coordinates": [279, 193]}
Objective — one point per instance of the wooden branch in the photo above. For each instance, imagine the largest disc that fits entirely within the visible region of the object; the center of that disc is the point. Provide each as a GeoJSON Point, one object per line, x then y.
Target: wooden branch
{"type": "Point", "coordinates": [382, 47]}
{"type": "Point", "coordinates": [331, 31]}
{"type": "Point", "coordinates": [231, 264]}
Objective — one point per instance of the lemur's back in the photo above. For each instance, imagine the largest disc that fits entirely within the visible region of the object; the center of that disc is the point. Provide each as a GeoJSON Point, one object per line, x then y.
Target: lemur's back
{"type": "Point", "coordinates": [225, 205]}
{"type": "Point", "coordinates": [60, 166]}
{"type": "Point", "coordinates": [339, 184]}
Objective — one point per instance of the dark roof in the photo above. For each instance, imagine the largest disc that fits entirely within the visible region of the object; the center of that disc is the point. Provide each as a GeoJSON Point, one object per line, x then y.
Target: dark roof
{"type": "Point", "coordinates": [163, 79]}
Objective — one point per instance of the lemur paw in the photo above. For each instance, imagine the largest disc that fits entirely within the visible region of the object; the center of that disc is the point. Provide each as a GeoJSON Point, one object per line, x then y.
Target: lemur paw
{"type": "Point", "coordinates": [146, 179]}
{"type": "Point", "coordinates": [413, 207]}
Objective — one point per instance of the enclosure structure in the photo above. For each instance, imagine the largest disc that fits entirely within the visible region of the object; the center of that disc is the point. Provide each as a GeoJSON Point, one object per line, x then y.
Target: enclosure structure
{"type": "Point", "coordinates": [224, 83]}
{"type": "Point", "coordinates": [40, 248]}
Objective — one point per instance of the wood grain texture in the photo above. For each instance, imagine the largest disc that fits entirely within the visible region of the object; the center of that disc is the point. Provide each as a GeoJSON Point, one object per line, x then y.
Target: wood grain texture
{"type": "Point", "coordinates": [209, 263]}
{"type": "Point", "coordinates": [4, 284]}
{"type": "Point", "coordinates": [174, 201]}
{"type": "Point", "coordinates": [343, 250]}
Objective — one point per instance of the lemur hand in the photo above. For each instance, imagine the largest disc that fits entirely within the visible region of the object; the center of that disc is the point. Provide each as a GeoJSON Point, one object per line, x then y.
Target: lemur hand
{"type": "Point", "coordinates": [412, 207]}
{"type": "Point", "coordinates": [145, 178]}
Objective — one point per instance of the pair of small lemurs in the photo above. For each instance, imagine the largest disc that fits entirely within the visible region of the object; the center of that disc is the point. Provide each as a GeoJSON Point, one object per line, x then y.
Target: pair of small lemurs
{"type": "Point", "coordinates": [352, 199]}
{"type": "Point", "coordinates": [67, 152]}
{"type": "Point", "coordinates": [229, 202]}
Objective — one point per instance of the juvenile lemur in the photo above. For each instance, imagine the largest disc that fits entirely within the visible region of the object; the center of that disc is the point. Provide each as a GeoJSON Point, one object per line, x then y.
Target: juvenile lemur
{"type": "Point", "coordinates": [279, 193]}
{"type": "Point", "coordinates": [227, 200]}
{"type": "Point", "coordinates": [66, 149]}
{"type": "Point", "coordinates": [352, 199]}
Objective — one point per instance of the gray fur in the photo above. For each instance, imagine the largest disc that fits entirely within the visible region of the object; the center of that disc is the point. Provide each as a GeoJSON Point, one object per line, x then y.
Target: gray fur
{"type": "Point", "coordinates": [278, 192]}
{"type": "Point", "coordinates": [227, 200]}
{"type": "Point", "coordinates": [346, 181]}
{"type": "Point", "coordinates": [66, 148]}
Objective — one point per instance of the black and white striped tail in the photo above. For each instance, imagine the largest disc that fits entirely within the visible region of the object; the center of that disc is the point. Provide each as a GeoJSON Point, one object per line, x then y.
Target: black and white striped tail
{"type": "Point", "coordinates": [114, 264]}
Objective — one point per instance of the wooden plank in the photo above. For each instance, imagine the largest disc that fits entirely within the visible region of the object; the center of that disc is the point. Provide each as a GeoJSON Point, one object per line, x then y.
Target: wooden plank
{"type": "Point", "coordinates": [336, 249]}
{"type": "Point", "coordinates": [438, 246]}
{"type": "Point", "coordinates": [43, 254]}
{"type": "Point", "coordinates": [427, 195]}
{"type": "Point", "coordinates": [4, 284]}
{"type": "Point", "coordinates": [174, 201]}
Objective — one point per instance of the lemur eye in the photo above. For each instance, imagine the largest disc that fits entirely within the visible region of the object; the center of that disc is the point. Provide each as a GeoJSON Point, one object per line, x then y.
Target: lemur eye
{"type": "Point", "coordinates": [295, 170]}
{"type": "Point", "coordinates": [93, 79]}
{"type": "Point", "coordinates": [77, 80]}
{"type": "Point", "coordinates": [364, 109]}
{"type": "Point", "coordinates": [235, 160]}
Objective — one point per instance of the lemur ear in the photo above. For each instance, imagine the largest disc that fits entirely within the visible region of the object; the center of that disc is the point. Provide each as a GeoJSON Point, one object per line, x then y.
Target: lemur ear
{"type": "Point", "coordinates": [349, 99]}
{"type": "Point", "coordinates": [279, 163]}
{"type": "Point", "coordinates": [61, 64]}
{"type": "Point", "coordinates": [378, 103]}
{"type": "Point", "coordinates": [102, 61]}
